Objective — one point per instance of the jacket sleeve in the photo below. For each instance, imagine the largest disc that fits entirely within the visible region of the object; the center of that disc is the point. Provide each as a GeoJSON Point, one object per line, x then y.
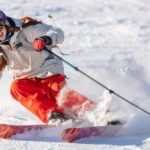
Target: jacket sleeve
{"type": "Point", "coordinates": [35, 31]}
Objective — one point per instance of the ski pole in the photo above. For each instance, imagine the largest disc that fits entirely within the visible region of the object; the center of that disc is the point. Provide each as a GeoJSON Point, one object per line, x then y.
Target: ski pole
{"type": "Point", "coordinates": [102, 85]}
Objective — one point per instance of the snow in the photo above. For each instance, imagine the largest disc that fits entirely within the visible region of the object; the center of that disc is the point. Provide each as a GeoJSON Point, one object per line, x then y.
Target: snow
{"type": "Point", "coordinates": [110, 41]}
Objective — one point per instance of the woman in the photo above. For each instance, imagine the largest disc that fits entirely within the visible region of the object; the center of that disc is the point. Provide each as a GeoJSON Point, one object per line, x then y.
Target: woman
{"type": "Point", "coordinates": [39, 82]}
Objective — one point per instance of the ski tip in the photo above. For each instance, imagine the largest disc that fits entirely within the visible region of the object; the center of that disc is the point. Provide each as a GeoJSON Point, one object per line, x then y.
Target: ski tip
{"type": "Point", "coordinates": [67, 134]}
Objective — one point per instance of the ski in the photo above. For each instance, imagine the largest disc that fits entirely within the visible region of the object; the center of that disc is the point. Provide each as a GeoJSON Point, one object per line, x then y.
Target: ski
{"type": "Point", "coordinates": [73, 134]}
{"type": "Point", "coordinates": [7, 130]}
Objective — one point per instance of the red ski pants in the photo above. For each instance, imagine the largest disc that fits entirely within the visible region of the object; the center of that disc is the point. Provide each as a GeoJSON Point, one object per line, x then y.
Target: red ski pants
{"type": "Point", "coordinates": [40, 95]}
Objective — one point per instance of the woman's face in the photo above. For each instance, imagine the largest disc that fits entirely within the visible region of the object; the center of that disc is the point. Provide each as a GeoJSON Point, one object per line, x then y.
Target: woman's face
{"type": "Point", "coordinates": [2, 33]}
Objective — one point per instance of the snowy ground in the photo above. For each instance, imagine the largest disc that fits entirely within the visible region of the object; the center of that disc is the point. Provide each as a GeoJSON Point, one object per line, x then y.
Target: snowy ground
{"type": "Point", "coordinates": [109, 40]}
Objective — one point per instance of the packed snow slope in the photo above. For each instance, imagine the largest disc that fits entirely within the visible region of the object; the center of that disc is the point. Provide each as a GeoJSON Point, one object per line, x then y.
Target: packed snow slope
{"type": "Point", "coordinates": [109, 40]}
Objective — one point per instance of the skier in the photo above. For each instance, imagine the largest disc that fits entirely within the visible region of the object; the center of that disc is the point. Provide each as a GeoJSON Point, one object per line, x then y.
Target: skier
{"type": "Point", "coordinates": [39, 80]}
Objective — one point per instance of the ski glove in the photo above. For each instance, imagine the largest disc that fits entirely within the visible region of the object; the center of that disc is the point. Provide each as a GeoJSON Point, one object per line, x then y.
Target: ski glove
{"type": "Point", "coordinates": [40, 43]}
